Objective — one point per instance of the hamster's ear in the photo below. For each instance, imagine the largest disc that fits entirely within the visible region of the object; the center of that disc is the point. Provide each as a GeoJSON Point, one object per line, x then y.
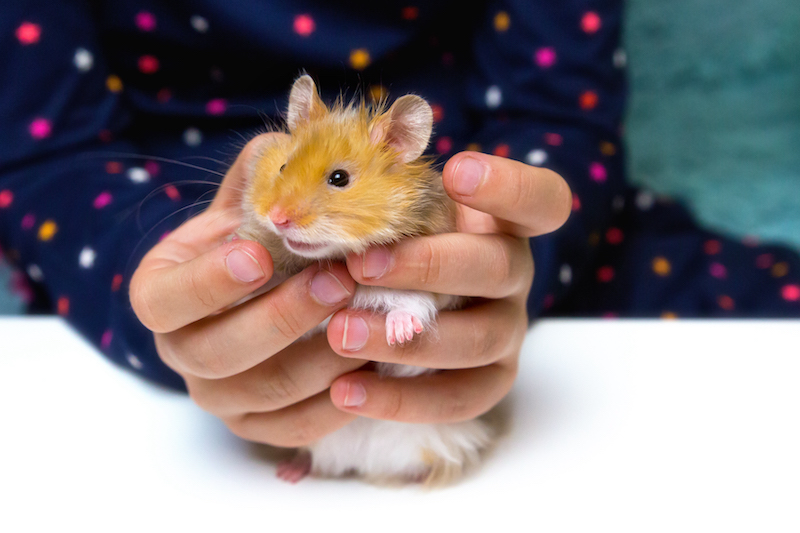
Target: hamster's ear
{"type": "Point", "coordinates": [406, 127]}
{"type": "Point", "coordinates": [304, 102]}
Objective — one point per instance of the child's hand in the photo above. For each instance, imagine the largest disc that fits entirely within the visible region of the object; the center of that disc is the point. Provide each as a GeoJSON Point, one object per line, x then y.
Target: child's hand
{"type": "Point", "coordinates": [502, 203]}
{"type": "Point", "coordinates": [239, 363]}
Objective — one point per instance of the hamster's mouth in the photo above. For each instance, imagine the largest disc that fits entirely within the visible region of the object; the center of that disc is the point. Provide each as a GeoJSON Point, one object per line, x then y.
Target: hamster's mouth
{"type": "Point", "coordinates": [304, 248]}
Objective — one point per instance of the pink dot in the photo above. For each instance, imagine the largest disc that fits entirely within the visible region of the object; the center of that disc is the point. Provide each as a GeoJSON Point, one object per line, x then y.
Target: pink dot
{"type": "Point", "coordinates": [28, 221]}
{"type": "Point", "coordinates": [172, 192]}
{"type": "Point", "coordinates": [216, 106]}
{"type": "Point", "coordinates": [148, 64]}
{"type": "Point", "coordinates": [105, 340]}
{"type": "Point", "coordinates": [304, 25]}
{"type": "Point", "coordinates": [610, 315]}
{"type": "Point", "coordinates": [598, 172]}
{"type": "Point", "coordinates": [791, 293]}
{"type": "Point", "coordinates": [764, 261]}
{"type": "Point", "coordinates": [590, 22]}
{"type": "Point", "coordinates": [545, 57]}
{"type": "Point", "coordinates": [605, 274]}
{"type": "Point", "coordinates": [102, 200]}
{"type": "Point", "coordinates": [152, 168]}
{"type": "Point", "coordinates": [164, 235]}
{"type": "Point", "coordinates": [28, 33]}
{"type": "Point", "coordinates": [145, 21]}
{"type": "Point", "coordinates": [444, 145]}
{"type": "Point", "coordinates": [576, 202]}
{"type": "Point", "coordinates": [553, 139]}
{"type": "Point", "coordinates": [548, 301]}
{"type": "Point", "coordinates": [40, 128]}
{"type": "Point", "coordinates": [718, 270]}
{"type": "Point", "coordinates": [6, 197]}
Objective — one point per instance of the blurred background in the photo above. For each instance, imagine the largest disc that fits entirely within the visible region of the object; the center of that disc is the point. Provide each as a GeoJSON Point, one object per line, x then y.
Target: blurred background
{"type": "Point", "coordinates": [713, 115]}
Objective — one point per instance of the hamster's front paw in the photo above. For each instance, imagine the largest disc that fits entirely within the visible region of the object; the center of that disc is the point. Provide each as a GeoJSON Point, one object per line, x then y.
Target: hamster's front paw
{"type": "Point", "coordinates": [401, 327]}
{"type": "Point", "coordinates": [296, 468]}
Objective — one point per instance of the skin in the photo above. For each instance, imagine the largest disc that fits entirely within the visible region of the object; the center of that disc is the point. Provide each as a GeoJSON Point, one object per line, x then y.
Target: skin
{"type": "Point", "coordinates": [239, 361]}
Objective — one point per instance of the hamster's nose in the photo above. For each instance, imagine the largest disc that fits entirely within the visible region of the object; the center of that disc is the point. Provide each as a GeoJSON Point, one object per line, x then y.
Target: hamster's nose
{"type": "Point", "coordinates": [280, 218]}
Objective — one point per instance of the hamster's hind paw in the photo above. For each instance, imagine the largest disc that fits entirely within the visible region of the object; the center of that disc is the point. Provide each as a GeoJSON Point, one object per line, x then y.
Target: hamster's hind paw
{"type": "Point", "coordinates": [296, 468]}
{"type": "Point", "coordinates": [401, 327]}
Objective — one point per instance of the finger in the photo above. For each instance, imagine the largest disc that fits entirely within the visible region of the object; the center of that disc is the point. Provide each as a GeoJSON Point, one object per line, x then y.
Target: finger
{"type": "Point", "coordinates": [302, 370]}
{"type": "Point", "coordinates": [242, 337]}
{"type": "Point", "coordinates": [461, 394]}
{"type": "Point", "coordinates": [476, 336]}
{"type": "Point", "coordinates": [297, 425]}
{"type": "Point", "coordinates": [536, 199]}
{"type": "Point", "coordinates": [489, 266]}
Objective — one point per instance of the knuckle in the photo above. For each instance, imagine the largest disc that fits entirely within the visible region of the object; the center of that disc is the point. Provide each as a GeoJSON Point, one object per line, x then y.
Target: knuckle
{"type": "Point", "coordinates": [141, 301]}
{"type": "Point", "coordinates": [430, 264]}
{"type": "Point", "coordinates": [201, 397]}
{"type": "Point", "coordinates": [456, 407]}
{"type": "Point", "coordinates": [283, 321]}
{"type": "Point", "coordinates": [484, 345]}
{"type": "Point", "coordinates": [193, 282]}
{"type": "Point", "coordinates": [196, 351]}
{"type": "Point", "coordinates": [502, 268]}
{"type": "Point", "coordinates": [300, 432]}
{"type": "Point", "coordinates": [393, 405]}
{"type": "Point", "coordinates": [520, 189]}
{"type": "Point", "coordinates": [278, 388]}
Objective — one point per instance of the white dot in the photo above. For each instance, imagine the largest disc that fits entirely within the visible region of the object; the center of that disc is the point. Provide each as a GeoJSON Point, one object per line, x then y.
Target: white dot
{"type": "Point", "coordinates": [192, 137]}
{"type": "Point", "coordinates": [134, 361]}
{"type": "Point", "coordinates": [35, 273]}
{"type": "Point", "coordinates": [645, 200]}
{"type": "Point", "coordinates": [494, 97]}
{"type": "Point", "coordinates": [83, 59]}
{"type": "Point", "coordinates": [620, 58]}
{"type": "Point", "coordinates": [565, 274]}
{"type": "Point", "coordinates": [536, 157]}
{"type": "Point", "coordinates": [199, 23]}
{"type": "Point", "coordinates": [618, 203]}
{"type": "Point", "coordinates": [138, 175]}
{"type": "Point", "coordinates": [87, 257]}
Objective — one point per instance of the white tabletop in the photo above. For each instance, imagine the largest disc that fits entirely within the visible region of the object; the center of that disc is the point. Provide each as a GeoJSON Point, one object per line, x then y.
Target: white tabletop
{"type": "Point", "coordinates": [616, 425]}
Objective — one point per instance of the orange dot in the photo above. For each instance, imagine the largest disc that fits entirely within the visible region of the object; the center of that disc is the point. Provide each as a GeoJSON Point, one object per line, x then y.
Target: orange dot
{"type": "Point", "coordinates": [473, 147]}
{"type": "Point", "coordinates": [607, 148]}
{"type": "Point", "coordinates": [359, 58]}
{"type": "Point", "coordinates": [588, 100]}
{"type": "Point", "coordinates": [502, 150]}
{"type": "Point", "coordinates": [114, 167]}
{"type": "Point", "coordinates": [594, 238]}
{"type": "Point", "coordinates": [113, 83]}
{"type": "Point", "coordinates": [502, 21]}
{"type": "Point", "coordinates": [576, 202]}
{"type": "Point", "coordinates": [377, 93]}
{"type": "Point", "coordinates": [438, 112]}
{"type": "Point", "coordinates": [47, 230]}
{"type": "Point", "coordinates": [116, 282]}
{"type": "Point", "coordinates": [726, 302]}
{"type": "Point", "coordinates": [669, 315]}
{"type": "Point", "coordinates": [779, 270]}
{"type": "Point", "coordinates": [63, 306]}
{"type": "Point", "coordinates": [662, 266]}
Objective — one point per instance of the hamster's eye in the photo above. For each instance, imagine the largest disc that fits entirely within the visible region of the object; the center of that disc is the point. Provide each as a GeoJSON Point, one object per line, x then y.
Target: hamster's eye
{"type": "Point", "coordinates": [282, 167]}
{"type": "Point", "coordinates": [339, 178]}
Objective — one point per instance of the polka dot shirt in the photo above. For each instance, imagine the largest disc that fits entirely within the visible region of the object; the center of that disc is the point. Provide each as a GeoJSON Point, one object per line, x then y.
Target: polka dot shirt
{"type": "Point", "coordinates": [120, 119]}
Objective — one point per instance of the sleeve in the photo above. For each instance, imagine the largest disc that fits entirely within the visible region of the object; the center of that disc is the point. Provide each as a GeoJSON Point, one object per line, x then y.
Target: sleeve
{"type": "Point", "coordinates": [548, 88]}
{"type": "Point", "coordinates": [69, 217]}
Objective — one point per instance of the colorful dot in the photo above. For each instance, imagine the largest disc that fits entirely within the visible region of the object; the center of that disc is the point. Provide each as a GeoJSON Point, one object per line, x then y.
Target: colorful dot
{"type": "Point", "coordinates": [199, 23]}
{"type": "Point", "coordinates": [410, 13]}
{"type": "Point", "coordinates": [192, 137]}
{"type": "Point", "coordinates": [726, 302]}
{"type": "Point", "coordinates": [712, 247]}
{"type": "Point", "coordinates": [216, 106]}
{"type": "Point", "coordinates": [576, 202]}
{"type": "Point", "coordinates": [114, 83]}
{"type": "Point", "coordinates": [588, 100]}
{"type": "Point", "coordinates": [114, 167]}
{"type": "Point", "coordinates": [473, 147]}
{"type": "Point", "coordinates": [620, 58]}
{"type": "Point", "coordinates": [359, 59]}
{"type": "Point", "coordinates": [172, 192]}
{"type": "Point", "coordinates": [105, 340]}
{"type": "Point", "coordinates": [28, 33]}
{"type": "Point", "coordinates": [444, 145]}
{"type": "Point", "coordinates": [87, 257]}
{"type": "Point", "coordinates": [590, 22]}
{"type": "Point", "coordinates": [598, 172]}
{"type": "Point", "coordinates": [6, 197]}
{"type": "Point", "coordinates": [553, 139]}
{"type": "Point", "coordinates": [40, 128]}
{"type": "Point", "coordinates": [28, 221]}
{"type": "Point", "coordinates": [494, 97]}
{"type": "Point", "coordinates": [148, 64]}
{"type": "Point", "coordinates": [565, 274]}
{"type": "Point", "coordinates": [35, 273]}
{"type": "Point", "coordinates": [607, 148]}
{"type": "Point", "coordinates": [645, 200]}
{"type": "Point", "coordinates": [502, 150]}
{"type": "Point", "coordinates": [536, 157]}
{"type": "Point", "coordinates": [779, 270]}
{"type": "Point", "coordinates": [614, 236]}
{"type": "Point", "coordinates": [502, 21]}
{"type": "Point", "coordinates": [765, 261]}
{"type": "Point", "coordinates": [134, 361]}
{"type": "Point", "coordinates": [378, 92]}
{"type": "Point", "coordinates": [105, 136]}
{"type": "Point", "coordinates": [605, 274]}
{"type": "Point", "coordinates": [545, 57]}
{"type": "Point", "coordinates": [304, 25]}
{"type": "Point", "coordinates": [791, 293]}
{"type": "Point", "coordinates": [145, 21]}
{"type": "Point", "coordinates": [438, 112]}
{"type": "Point", "coordinates": [594, 238]}
{"type": "Point", "coordinates": [152, 167]}
{"type": "Point", "coordinates": [83, 60]}
{"type": "Point", "coordinates": [138, 175]}
{"type": "Point", "coordinates": [163, 95]}
{"type": "Point", "coordinates": [102, 200]}
{"type": "Point", "coordinates": [662, 266]}
{"type": "Point", "coordinates": [718, 270]}
{"type": "Point", "coordinates": [47, 230]}
{"type": "Point", "coordinates": [668, 315]}
{"type": "Point", "coordinates": [62, 306]}
{"type": "Point", "coordinates": [116, 282]}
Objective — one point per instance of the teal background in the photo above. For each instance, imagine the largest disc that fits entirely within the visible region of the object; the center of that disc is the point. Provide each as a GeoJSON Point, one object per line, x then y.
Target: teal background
{"type": "Point", "coordinates": [713, 116]}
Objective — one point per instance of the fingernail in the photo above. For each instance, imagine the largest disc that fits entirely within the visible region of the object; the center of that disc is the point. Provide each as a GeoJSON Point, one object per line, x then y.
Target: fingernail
{"type": "Point", "coordinates": [327, 289]}
{"type": "Point", "coordinates": [355, 395]}
{"type": "Point", "coordinates": [376, 263]}
{"type": "Point", "coordinates": [467, 175]}
{"type": "Point", "coordinates": [355, 333]}
{"type": "Point", "coordinates": [243, 266]}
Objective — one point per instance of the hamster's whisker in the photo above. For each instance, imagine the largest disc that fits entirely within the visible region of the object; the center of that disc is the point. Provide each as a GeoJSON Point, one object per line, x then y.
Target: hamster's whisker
{"type": "Point", "coordinates": [153, 158]}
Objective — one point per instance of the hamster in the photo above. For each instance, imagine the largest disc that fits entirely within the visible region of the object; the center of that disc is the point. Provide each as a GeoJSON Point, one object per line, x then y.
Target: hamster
{"type": "Point", "coordinates": [345, 179]}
